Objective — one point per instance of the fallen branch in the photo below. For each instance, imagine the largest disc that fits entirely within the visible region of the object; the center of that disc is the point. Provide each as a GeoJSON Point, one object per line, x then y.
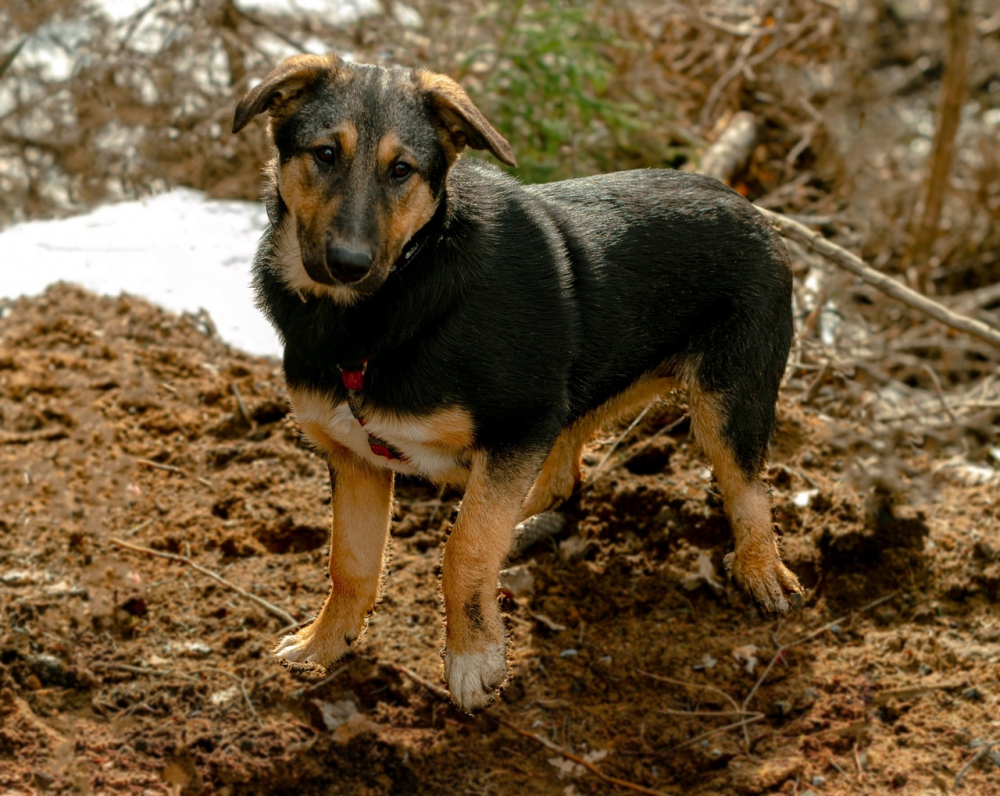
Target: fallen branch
{"type": "Point", "coordinates": [286, 617]}
{"type": "Point", "coordinates": [733, 148]}
{"type": "Point", "coordinates": [888, 285]}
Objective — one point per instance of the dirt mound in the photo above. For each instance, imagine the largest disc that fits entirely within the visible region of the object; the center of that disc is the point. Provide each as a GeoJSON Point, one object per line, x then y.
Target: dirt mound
{"type": "Point", "coordinates": [125, 672]}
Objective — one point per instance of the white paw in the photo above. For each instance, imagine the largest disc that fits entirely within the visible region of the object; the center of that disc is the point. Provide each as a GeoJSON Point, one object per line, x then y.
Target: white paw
{"type": "Point", "coordinates": [308, 646]}
{"type": "Point", "coordinates": [475, 679]}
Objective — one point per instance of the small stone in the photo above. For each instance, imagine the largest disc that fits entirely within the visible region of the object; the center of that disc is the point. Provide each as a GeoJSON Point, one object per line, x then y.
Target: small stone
{"type": "Point", "coordinates": [17, 577]}
{"type": "Point", "coordinates": [518, 581]}
{"type": "Point", "coordinates": [50, 670]}
{"type": "Point", "coordinates": [573, 548]}
{"type": "Point", "coordinates": [605, 659]}
{"type": "Point", "coordinates": [835, 629]}
{"type": "Point", "coordinates": [973, 694]}
{"type": "Point", "coordinates": [707, 662]}
{"type": "Point", "coordinates": [197, 649]}
{"type": "Point", "coordinates": [818, 780]}
{"type": "Point", "coordinates": [336, 713]}
{"type": "Point", "coordinates": [570, 653]}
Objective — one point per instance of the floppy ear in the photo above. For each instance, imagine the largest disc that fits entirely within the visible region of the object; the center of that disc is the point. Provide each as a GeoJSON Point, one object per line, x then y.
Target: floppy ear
{"type": "Point", "coordinates": [289, 79]}
{"type": "Point", "coordinates": [460, 119]}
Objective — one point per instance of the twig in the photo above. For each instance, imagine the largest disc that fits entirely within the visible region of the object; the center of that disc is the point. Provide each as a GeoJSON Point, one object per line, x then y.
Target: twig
{"type": "Point", "coordinates": [888, 285]}
{"type": "Point", "coordinates": [170, 468]}
{"type": "Point", "coordinates": [326, 680]}
{"type": "Point", "coordinates": [716, 713]}
{"type": "Point", "coordinates": [8, 59]}
{"type": "Point", "coordinates": [705, 687]}
{"type": "Point", "coordinates": [983, 750]}
{"type": "Point", "coordinates": [124, 667]}
{"type": "Point", "coordinates": [808, 637]}
{"type": "Point", "coordinates": [597, 470]}
{"type": "Point", "coordinates": [243, 689]}
{"type": "Point", "coordinates": [953, 92]}
{"type": "Point", "coordinates": [746, 49]}
{"type": "Point", "coordinates": [725, 728]}
{"type": "Point", "coordinates": [32, 436]}
{"type": "Point", "coordinates": [244, 412]}
{"type": "Point", "coordinates": [940, 393]}
{"type": "Point", "coordinates": [580, 761]}
{"type": "Point", "coordinates": [437, 690]}
{"type": "Point", "coordinates": [649, 441]}
{"type": "Point", "coordinates": [286, 617]}
{"type": "Point", "coordinates": [817, 384]}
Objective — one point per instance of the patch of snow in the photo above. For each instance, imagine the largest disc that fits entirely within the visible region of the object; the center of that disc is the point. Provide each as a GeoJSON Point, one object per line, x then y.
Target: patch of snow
{"type": "Point", "coordinates": [179, 249]}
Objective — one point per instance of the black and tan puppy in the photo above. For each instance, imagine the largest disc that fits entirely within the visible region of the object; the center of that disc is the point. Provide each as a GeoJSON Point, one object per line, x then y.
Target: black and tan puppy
{"type": "Point", "coordinates": [441, 319]}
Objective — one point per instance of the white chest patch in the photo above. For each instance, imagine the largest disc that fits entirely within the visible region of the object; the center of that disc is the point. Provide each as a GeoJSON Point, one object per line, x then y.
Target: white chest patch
{"type": "Point", "coordinates": [433, 446]}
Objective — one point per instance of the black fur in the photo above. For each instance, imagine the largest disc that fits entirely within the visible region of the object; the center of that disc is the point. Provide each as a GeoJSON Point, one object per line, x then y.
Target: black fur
{"type": "Point", "coordinates": [537, 304]}
{"type": "Point", "coordinates": [533, 305]}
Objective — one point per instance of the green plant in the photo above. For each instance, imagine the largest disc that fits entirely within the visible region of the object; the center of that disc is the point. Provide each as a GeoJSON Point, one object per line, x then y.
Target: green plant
{"type": "Point", "coordinates": [545, 83]}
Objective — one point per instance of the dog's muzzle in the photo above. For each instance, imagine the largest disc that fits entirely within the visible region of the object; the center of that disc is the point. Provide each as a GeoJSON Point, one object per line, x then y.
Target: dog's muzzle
{"type": "Point", "coordinates": [345, 264]}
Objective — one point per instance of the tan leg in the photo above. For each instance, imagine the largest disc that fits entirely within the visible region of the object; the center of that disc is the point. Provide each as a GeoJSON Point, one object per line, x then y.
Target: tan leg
{"type": "Point", "coordinates": [475, 660]}
{"type": "Point", "coordinates": [362, 513]}
{"type": "Point", "coordinates": [561, 472]}
{"type": "Point", "coordinates": [755, 565]}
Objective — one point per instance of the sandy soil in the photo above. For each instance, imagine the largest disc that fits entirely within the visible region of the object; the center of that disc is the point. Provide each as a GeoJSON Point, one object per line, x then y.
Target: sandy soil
{"type": "Point", "coordinates": [123, 672]}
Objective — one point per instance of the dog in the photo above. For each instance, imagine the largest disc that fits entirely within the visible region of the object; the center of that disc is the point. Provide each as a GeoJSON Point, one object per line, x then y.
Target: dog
{"type": "Point", "coordinates": [440, 319]}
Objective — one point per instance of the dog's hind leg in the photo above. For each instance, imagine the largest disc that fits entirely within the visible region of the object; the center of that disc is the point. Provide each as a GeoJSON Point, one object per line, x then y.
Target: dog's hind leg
{"type": "Point", "coordinates": [733, 428]}
{"type": "Point", "coordinates": [561, 472]}
{"type": "Point", "coordinates": [362, 506]}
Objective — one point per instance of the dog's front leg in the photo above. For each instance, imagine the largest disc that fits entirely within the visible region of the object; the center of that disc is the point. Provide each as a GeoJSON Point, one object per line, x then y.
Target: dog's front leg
{"type": "Point", "coordinates": [475, 659]}
{"type": "Point", "coordinates": [362, 513]}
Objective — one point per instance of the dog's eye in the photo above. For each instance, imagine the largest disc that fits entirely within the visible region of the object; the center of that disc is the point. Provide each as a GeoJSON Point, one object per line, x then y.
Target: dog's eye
{"type": "Point", "coordinates": [324, 154]}
{"type": "Point", "coordinates": [401, 171]}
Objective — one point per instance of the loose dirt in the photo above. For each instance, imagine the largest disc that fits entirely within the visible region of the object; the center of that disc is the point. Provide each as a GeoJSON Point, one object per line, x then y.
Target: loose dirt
{"type": "Point", "coordinates": [121, 672]}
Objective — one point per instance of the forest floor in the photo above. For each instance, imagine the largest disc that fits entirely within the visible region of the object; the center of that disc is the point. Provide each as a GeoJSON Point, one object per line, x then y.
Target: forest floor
{"type": "Point", "coordinates": [125, 672]}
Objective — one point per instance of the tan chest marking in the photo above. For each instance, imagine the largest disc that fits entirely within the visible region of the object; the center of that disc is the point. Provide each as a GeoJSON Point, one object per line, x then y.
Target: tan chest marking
{"type": "Point", "coordinates": [435, 446]}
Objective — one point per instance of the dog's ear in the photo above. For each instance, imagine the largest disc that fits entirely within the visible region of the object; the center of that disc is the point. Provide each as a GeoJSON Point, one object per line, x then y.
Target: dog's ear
{"type": "Point", "coordinates": [289, 79]}
{"type": "Point", "coordinates": [463, 122]}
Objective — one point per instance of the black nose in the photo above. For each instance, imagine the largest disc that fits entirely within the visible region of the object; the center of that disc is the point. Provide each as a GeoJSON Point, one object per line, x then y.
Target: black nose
{"type": "Point", "coordinates": [348, 264]}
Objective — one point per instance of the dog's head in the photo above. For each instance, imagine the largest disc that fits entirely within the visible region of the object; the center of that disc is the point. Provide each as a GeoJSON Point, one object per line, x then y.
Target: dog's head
{"type": "Point", "coordinates": [362, 156]}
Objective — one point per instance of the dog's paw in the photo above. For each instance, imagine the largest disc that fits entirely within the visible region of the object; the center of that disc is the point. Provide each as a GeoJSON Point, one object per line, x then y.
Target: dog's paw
{"type": "Point", "coordinates": [764, 578]}
{"type": "Point", "coordinates": [310, 645]}
{"type": "Point", "coordinates": [475, 679]}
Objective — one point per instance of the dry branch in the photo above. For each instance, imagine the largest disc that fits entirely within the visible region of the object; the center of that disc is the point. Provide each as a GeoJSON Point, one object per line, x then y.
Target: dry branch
{"type": "Point", "coordinates": [956, 78]}
{"type": "Point", "coordinates": [271, 609]}
{"type": "Point", "coordinates": [849, 262]}
{"type": "Point", "coordinates": [733, 148]}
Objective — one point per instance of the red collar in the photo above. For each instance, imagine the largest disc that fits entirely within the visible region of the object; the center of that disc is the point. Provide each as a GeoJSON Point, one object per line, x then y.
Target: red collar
{"type": "Point", "coordinates": [354, 381]}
